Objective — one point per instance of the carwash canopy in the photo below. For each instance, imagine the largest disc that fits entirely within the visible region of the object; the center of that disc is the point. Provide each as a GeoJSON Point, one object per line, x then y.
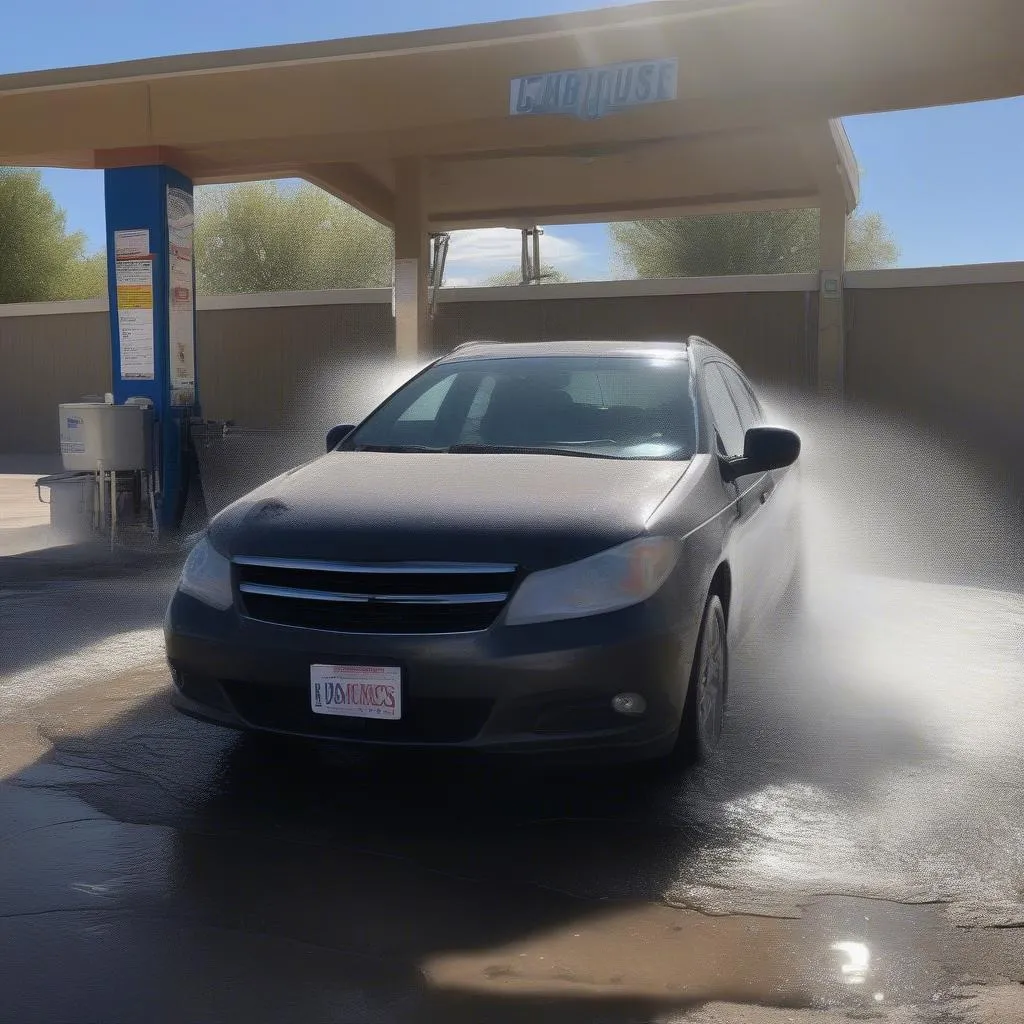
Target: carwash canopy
{"type": "Point", "coordinates": [655, 109]}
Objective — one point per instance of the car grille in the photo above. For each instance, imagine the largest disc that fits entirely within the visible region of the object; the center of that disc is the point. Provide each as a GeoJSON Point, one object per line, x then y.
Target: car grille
{"type": "Point", "coordinates": [382, 597]}
{"type": "Point", "coordinates": [424, 720]}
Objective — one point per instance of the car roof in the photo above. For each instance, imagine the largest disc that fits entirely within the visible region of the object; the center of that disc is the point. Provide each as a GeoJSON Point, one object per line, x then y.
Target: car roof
{"type": "Point", "coordinates": [520, 349]}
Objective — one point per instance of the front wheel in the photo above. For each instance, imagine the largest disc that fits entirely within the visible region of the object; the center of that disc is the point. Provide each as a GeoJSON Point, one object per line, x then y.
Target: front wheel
{"type": "Point", "coordinates": [704, 711]}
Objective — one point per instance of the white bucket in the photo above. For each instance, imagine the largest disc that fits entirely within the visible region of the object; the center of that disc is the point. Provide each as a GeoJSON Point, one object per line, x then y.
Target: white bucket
{"type": "Point", "coordinates": [72, 501]}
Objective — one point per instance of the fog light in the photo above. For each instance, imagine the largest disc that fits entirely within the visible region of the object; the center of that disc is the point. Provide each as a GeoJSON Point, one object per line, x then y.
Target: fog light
{"type": "Point", "coordinates": [629, 704]}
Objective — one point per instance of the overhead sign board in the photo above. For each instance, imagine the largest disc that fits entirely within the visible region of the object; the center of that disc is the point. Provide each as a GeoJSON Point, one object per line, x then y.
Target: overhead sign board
{"type": "Point", "coordinates": [590, 93]}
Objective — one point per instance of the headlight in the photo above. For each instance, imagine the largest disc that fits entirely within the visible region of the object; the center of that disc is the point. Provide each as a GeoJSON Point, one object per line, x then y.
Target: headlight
{"type": "Point", "coordinates": [605, 582]}
{"type": "Point", "coordinates": [207, 577]}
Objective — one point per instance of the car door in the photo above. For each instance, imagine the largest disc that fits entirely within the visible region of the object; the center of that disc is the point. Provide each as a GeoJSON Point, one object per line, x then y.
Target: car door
{"type": "Point", "coordinates": [742, 549]}
{"type": "Point", "coordinates": [767, 537]}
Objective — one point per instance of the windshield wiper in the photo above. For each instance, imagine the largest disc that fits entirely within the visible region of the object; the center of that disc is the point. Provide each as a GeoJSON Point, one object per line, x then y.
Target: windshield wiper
{"type": "Point", "coordinates": [397, 448]}
{"type": "Point", "coordinates": [516, 449]}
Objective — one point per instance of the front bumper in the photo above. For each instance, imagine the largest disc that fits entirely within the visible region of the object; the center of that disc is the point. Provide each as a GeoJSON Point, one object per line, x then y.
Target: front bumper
{"type": "Point", "coordinates": [538, 689]}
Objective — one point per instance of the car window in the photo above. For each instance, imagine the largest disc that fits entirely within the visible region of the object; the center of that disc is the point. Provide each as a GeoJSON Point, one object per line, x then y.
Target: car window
{"type": "Point", "coordinates": [723, 409]}
{"type": "Point", "coordinates": [750, 414]}
{"type": "Point", "coordinates": [426, 407]}
{"type": "Point", "coordinates": [470, 433]}
{"type": "Point", "coordinates": [584, 387]}
{"type": "Point", "coordinates": [618, 406]}
{"type": "Point", "coordinates": [612, 388]}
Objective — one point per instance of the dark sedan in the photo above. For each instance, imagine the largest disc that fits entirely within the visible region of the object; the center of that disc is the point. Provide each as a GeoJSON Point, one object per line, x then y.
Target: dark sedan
{"type": "Point", "coordinates": [537, 548]}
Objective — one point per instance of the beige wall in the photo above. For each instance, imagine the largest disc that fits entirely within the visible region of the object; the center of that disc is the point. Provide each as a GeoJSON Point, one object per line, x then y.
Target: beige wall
{"type": "Point", "coordinates": [46, 360]}
{"type": "Point", "coordinates": [951, 356]}
{"type": "Point", "coordinates": [772, 334]}
{"type": "Point", "coordinates": [944, 348]}
{"type": "Point", "coordinates": [258, 363]}
{"type": "Point", "coordinates": [254, 362]}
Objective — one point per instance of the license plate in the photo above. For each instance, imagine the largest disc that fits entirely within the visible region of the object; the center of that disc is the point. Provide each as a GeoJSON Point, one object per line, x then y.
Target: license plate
{"type": "Point", "coordinates": [356, 691]}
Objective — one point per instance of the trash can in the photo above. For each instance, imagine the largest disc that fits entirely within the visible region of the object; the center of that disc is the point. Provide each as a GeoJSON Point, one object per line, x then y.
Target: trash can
{"type": "Point", "coordinates": [72, 501]}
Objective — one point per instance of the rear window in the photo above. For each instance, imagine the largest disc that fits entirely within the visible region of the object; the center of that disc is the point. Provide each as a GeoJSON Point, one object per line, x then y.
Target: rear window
{"type": "Point", "coordinates": [615, 406]}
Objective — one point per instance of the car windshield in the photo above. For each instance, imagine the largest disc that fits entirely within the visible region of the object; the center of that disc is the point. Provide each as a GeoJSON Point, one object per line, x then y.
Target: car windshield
{"type": "Point", "coordinates": [627, 407]}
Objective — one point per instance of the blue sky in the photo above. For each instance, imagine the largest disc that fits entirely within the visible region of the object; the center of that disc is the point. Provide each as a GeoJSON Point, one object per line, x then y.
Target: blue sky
{"type": "Point", "coordinates": [946, 180]}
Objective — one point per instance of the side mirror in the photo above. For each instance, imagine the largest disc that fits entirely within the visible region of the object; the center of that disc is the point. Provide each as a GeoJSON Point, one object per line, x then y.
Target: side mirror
{"type": "Point", "coordinates": [338, 434]}
{"type": "Point", "coordinates": [764, 448]}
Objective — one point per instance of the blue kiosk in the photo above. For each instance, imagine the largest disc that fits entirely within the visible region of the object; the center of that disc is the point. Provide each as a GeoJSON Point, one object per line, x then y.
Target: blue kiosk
{"type": "Point", "coordinates": [151, 283]}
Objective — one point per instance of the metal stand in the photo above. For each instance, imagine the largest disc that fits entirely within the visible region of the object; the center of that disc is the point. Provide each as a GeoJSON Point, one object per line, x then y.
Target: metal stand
{"type": "Point", "coordinates": [102, 504]}
{"type": "Point", "coordinates": [97, 490]}
{"type": "Point", "coordinates": [107, 490]}
{"type": "Point", "coordinates": [113, 507]}
{"type": "Point", "coordinates": [152, 505]}
{"type": "Point", "coordinates": [439, 243]}
{"type": "Point", "coordinates": [530, 267]}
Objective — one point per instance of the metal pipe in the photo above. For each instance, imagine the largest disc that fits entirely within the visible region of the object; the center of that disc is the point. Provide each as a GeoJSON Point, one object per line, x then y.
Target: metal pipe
{"type": "Point", "coordinates": [103, 501]}
{"type": "Point", "coordinates": [113, 507]}
{"type": "Point", "coordinates": [152, 505]}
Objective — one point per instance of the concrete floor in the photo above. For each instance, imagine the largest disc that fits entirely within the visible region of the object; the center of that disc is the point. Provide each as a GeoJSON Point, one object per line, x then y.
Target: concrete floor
{"type": "Point", "coordinates": [24, 519]}
{"type": "Point", "coordinates": [856, 850]}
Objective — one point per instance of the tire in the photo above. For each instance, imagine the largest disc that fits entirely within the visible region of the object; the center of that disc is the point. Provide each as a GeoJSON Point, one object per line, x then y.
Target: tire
{"type": "Point", "coordinates": [704, 711]}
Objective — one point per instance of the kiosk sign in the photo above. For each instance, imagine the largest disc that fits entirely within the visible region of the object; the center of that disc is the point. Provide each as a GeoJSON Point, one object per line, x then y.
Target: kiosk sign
{"type": "Point", "coordinates": [590, 93]}
{"type": "Point", "coordinates": [180, 227]}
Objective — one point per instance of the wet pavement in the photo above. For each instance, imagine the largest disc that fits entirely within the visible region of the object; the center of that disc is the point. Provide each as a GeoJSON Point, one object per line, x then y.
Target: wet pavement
{"type": "Point", "coordinates": [855, 850]}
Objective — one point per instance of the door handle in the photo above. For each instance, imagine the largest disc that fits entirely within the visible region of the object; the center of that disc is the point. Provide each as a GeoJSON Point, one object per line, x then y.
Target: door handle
{"type": "Point", "coordinates": [766, 494]}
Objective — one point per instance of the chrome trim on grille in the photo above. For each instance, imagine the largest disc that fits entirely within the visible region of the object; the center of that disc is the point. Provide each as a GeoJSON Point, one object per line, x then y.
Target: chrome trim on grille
{"type": "Point", "coordinates": [373, 598]}
{"type": "Point", "coordinates": [327, 595]}
{"type": "Point", "coordinates": [394, 568]}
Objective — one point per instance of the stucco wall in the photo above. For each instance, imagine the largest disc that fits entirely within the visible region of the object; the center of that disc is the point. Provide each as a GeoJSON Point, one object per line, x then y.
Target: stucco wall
{"type": "Point", "coordinates": [944, 347]}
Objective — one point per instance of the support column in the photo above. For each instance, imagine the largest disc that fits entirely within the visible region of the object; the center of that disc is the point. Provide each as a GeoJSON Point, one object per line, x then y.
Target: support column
{"type": "Point", "coordinates": [151, 284]}
{"type": "Point", "coordinates": [831, 326]}
{"type": "Point", "coordinates": [412, 258]}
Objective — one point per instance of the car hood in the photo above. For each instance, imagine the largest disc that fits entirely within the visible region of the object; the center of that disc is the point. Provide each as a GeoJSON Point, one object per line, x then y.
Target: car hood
{"type": "Point", "coordinates": [528, 510]}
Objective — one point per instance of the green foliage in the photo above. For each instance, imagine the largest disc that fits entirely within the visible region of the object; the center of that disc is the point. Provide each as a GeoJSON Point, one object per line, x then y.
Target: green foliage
{"type": "Point", "coordinates": [87, 278]}
{"type": "Point", "coordinates": [769, 242]}
{"type": "Point", "coordinates": [870, 244]}
{"type": "Point", "coordinates": [514, 275]}
{"type": "Point", "coordinates": [260, 237]}
{"type": "Point", "coordinates": [39, 260]}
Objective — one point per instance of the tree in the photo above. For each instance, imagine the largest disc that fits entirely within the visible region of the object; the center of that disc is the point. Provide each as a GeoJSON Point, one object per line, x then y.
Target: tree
{"type": "Point", "coordinates": [88, 277]}
{"type": "Point", "coordinates": [870, 244]}
{"type": "Point", "coordinates": [261, 237]}
{"type": "Point", "coordinates": [39, 260]}
{"type": "Point", "coordinates": [513, 276]}
{"type": "Point", "coordinates": [769, 242]}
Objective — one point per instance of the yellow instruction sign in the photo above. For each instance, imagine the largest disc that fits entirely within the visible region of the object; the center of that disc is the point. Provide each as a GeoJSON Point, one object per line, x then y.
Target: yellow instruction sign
{"type": "Point", "coordinates": [134, 296]}
{"type": "Point", "coordinates": [134, 279]}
